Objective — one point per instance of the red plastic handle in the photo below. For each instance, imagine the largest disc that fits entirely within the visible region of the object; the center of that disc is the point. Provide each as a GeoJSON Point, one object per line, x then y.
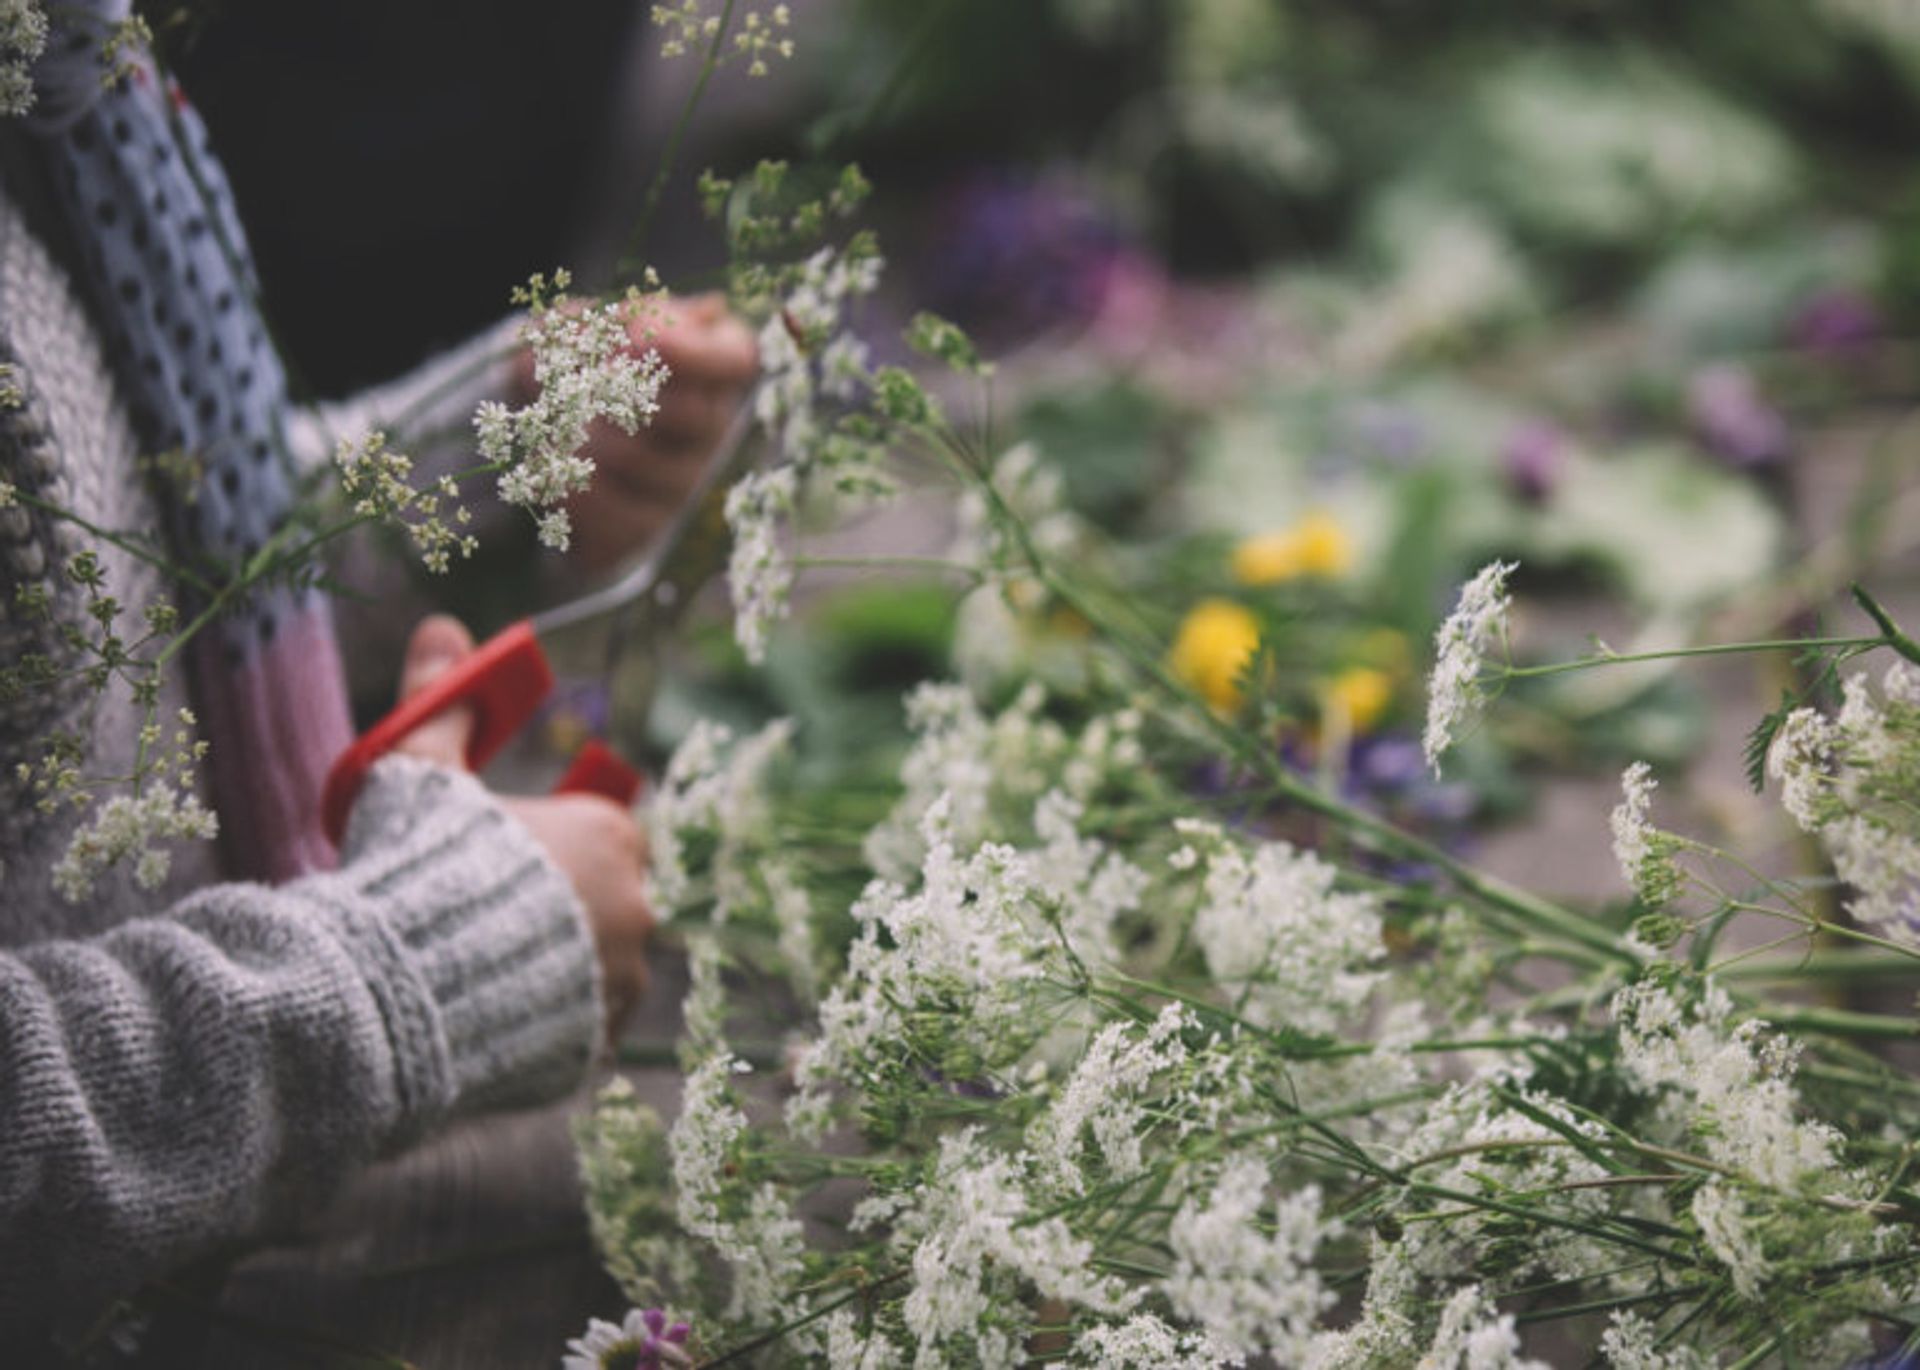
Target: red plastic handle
{"type": "Point", "coordinates": [598, 769]}
{"type": "Point", "coordinates": [504, 682]}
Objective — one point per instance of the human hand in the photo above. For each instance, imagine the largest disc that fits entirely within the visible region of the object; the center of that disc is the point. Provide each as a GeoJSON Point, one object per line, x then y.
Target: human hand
{"type": "Point", "coordinates": [595, 843]}
{"type": "Point", "coordinates": [641, 479]}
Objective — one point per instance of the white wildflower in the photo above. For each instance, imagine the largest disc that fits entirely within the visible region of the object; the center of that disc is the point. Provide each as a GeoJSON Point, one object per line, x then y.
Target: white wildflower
{"type": "Point", "coordinates": [378, 484]}
{"type": "Point", "coordinates": [1724, 1227]}
{"type": "Point", "coordinates": [1478, 621]}
{"type": "Point", "coordinates": [1249, 1281]}
{"type": "Point", "coordinates": [1644, 852]}
{"type": "Point", "coordinates": [1631, 1343]}
{"type": "Point", "coordinates": [128, 826]}
{"type": "Point", "coordinates": [759, 568]}
{"type": "Point", "coordinates": [712, 799]}
{"type": "Point", "coordinates": [848, 1350]}
{"type": "Point", "coordinates": [1106, 1097]}
{"type": "Point", "coordinates": [1737, 1085]}
{"type": "Point", "coordinates": [587, 369]}
{"type": "Point", "coordinates": [1288, 948]}
{"type": "Point", "coordinates": [1093, 886]}
{"type": "Point", "coordinates": [1144, 1342]}
{"type": "Point", "coordinates": [751, 1227]}
{"type": "Point", "coordinates": [703, 1013]}
{"type": "Point", "coordinates": [1387, 1330]}
{"type": "Point", "coordinates": [974, 1239]}
{"type": "Point", "coordinates": [1473, 1337]}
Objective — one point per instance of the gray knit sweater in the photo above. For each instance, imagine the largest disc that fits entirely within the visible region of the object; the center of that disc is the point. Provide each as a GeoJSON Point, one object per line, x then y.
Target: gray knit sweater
{"type": "Point", "coordinates": [182, 1068]}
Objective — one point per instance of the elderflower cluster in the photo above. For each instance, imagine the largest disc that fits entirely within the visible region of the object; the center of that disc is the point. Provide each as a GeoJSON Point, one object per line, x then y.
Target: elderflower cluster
{"type": "Point", "coordinates": [23, 37]}
{"type": "Point", "coordinates": [586, 368]}
{"type": "Point", "coordinates": [377, 482]}
{"type": "Point", "coordinates": [1454, 692]}
{"type": "Point", "coordinates": [1850, 781]}
{"type": "Point", "coordinates": [1249, 1279]}
{"type": "Point", "coordinates": [749, 1225]}
{"type": "Point", "coordinates": [1284, 946]}
{"type": "Point", "coordinates": [164, 807]}
{"type": "Point", "coordinates": [712, 810]}
{"type": "Point", "coordinates": [1645, 853]}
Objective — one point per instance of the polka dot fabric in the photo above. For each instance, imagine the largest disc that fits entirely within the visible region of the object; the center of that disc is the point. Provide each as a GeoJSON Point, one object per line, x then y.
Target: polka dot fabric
{"type": "Point", "coordinates": [168, 270]}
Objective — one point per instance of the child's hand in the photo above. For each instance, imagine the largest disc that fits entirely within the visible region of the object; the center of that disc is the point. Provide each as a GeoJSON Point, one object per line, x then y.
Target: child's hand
{"type": "Point", "coordinates": [642, 479]}
{"type": "Point", "coordinates": [593, 841]}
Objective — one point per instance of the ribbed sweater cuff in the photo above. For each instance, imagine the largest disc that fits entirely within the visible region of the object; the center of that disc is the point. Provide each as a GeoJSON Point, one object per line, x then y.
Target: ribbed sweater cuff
{"type": "Point", "coordinates": [476, 945]}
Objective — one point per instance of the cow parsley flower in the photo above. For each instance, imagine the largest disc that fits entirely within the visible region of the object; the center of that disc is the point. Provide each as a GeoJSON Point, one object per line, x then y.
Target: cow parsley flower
{"type": "Point", "coordinates": [1249, 1281]}
{"type": "Point", "coordinates": [164, 807]}
{"type": "Point", "coordinates": [1144, 1342]}
{"type": "Point", "coordinates": [1285, 945]}
{"type": "Point", "coordinates": [750, 1226]}
{"type": "Point", "coordinates": [713, 802]}
{"type": "Point", "coordinates": [1644, 852]}
{"type": "Point", "coordinates": [587, 368]}
{"type": "Point", "coordinates": [1632, 1343]}
{"type": "Point", "coordinates": [760, 568]}
{"type": "Point", "coordinates": [1473, 1337]}
{"type": "Point", "coordinates": [1724, 1227]}
{"type": "Point", "coordinates": [1106, 1098]}
{"type": "Point", "coordinates": [1850, 781]}
{"type": "Point", "coordinates": [1454, 692]}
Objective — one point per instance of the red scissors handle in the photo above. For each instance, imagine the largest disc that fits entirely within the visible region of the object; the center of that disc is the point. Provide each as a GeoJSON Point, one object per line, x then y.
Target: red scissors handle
{"type": "Point", "coordinates": [504, 682]}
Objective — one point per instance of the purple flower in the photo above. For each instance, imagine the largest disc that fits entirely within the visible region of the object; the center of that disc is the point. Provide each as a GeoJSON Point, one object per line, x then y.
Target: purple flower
{"type": "Point", "coordinates": [643, 1340]}
{"type": "Point", "coordinates": [1733, 420]}
{"type": "Point", "coordinates": [1835, 322]}
{"type": "Point", "coordinates": [1533, 459]}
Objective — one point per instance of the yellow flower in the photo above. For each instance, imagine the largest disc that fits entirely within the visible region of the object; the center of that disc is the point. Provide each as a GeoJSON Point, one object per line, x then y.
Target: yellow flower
{"type": "Point", "coordinates": [1212, 648]}
{"type": "Point", "coordinates": [1315, 546]}
{"type": "Point", "coordinates": [1358, 696]}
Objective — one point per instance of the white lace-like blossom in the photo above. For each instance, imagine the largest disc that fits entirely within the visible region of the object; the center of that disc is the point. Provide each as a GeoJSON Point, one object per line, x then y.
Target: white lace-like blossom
{"type": "Point", "coordinates": [587, 369]}
{"type": "Point", "coordinates": [1454, 692]}
{"type": "Point", "coordinates": [1247, 1279]}
{"type": "Point", "coordinates": [1850, 781]}
{"type": "Point", "coordinates": [752, 1228]}
{"type": "Point", "coordinates": [1144, 1342]}
{"type": "Point", "coordinates": [974, 1240]}
{"type": "Point", "coordinates": [1630, 1343]}
{"type": "Point", "coordinates": [23, 37]}
{"type": "Point", "coordinates": [712, 799]}
{"type": "Point", "coordinates": [1106, 1097]}
{"type": "Point", "coordinates": [759, 567]}
{"type": "Point", "coordinates": [1644, 852]}
{"type": "Point", "coordinates": [1723, 1223]}
{"type": "Point", "coordinates": [1737, 1083]}
{"type": "Point", "coordinates": [1285, 946]}
{"type": "Point", "coordinates": [847, 1349]}
{"type": "Point", "coordinates": [1093, 885]}
{"type": "Point", "coordinates": [1473, 1337]}
{"type": "Point", "coordinates": [164, 808]}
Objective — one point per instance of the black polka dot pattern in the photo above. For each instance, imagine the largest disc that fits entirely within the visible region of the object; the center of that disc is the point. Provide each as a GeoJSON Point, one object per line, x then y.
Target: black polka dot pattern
{"type": "Point", "coordinates": [178, 290]}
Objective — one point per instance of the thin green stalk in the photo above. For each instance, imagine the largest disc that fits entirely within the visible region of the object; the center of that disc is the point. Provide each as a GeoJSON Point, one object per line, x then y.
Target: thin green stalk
{"type": "Point", "coordinates": [710, 63]}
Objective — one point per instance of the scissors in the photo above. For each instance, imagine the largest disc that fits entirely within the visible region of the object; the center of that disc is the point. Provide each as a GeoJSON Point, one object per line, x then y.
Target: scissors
{"type": "Point", "coordinates": [506, 679]}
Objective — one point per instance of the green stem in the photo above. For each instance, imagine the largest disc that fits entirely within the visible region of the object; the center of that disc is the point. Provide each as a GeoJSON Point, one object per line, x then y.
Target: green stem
{"type": "Point", "coordinates": [637, 240]}
{"type": "Point", "coordinates": [1674, 653]}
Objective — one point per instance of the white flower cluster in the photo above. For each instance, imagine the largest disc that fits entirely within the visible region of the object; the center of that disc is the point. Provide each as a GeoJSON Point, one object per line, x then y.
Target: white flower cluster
{"type": "Point", "coordinates": [1287, 948]}
{"type": "Point", "coordinates": [378, 484]}
{"type": "Point", "coordinates": [1249, 1280]}
{"type": "Point", "coordinates": [1473, 1337]}
{"type": "Point", "coordinates": [1850, 781]}
{"type": "Point", "coordinates": [1737, 1082]}
{"type": "Point", "coordinates": [1454, 692]}
{"type": "Point", "coordinates": [750, 1226]}
{"type": "Point", "coordinates": [713, 799]}
{"type": "Point", "coordinates": [759, 566]}
{"type": "Point", "coordinates": [1632, 1343]}
{"type": "Point", "coordinates": [1645, 853]}
{"type": "Point", "coordinates": [1107, 1096]}
{"type": "Point", "coordinates": [164, 807]}
{"type": "Point", "coordinates": [23, 37]}
{"type": "Point", "coordinates": [587, 368]}
{"type": "Point", "coordinates": [973, 1240]}
{"type": "Point", "coordinates": [688, 25]}
{"type": "Point", "coordinates": [992, 772]}
{"type": "Point", "coordinates": [1144, 1342]}
{"type": "Point", "coordinates": [806, 356]}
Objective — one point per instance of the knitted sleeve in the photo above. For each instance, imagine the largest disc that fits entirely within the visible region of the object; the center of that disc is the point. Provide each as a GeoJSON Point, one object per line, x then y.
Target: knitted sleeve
{"type": "Point", "coordinates": [179, 1081]}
